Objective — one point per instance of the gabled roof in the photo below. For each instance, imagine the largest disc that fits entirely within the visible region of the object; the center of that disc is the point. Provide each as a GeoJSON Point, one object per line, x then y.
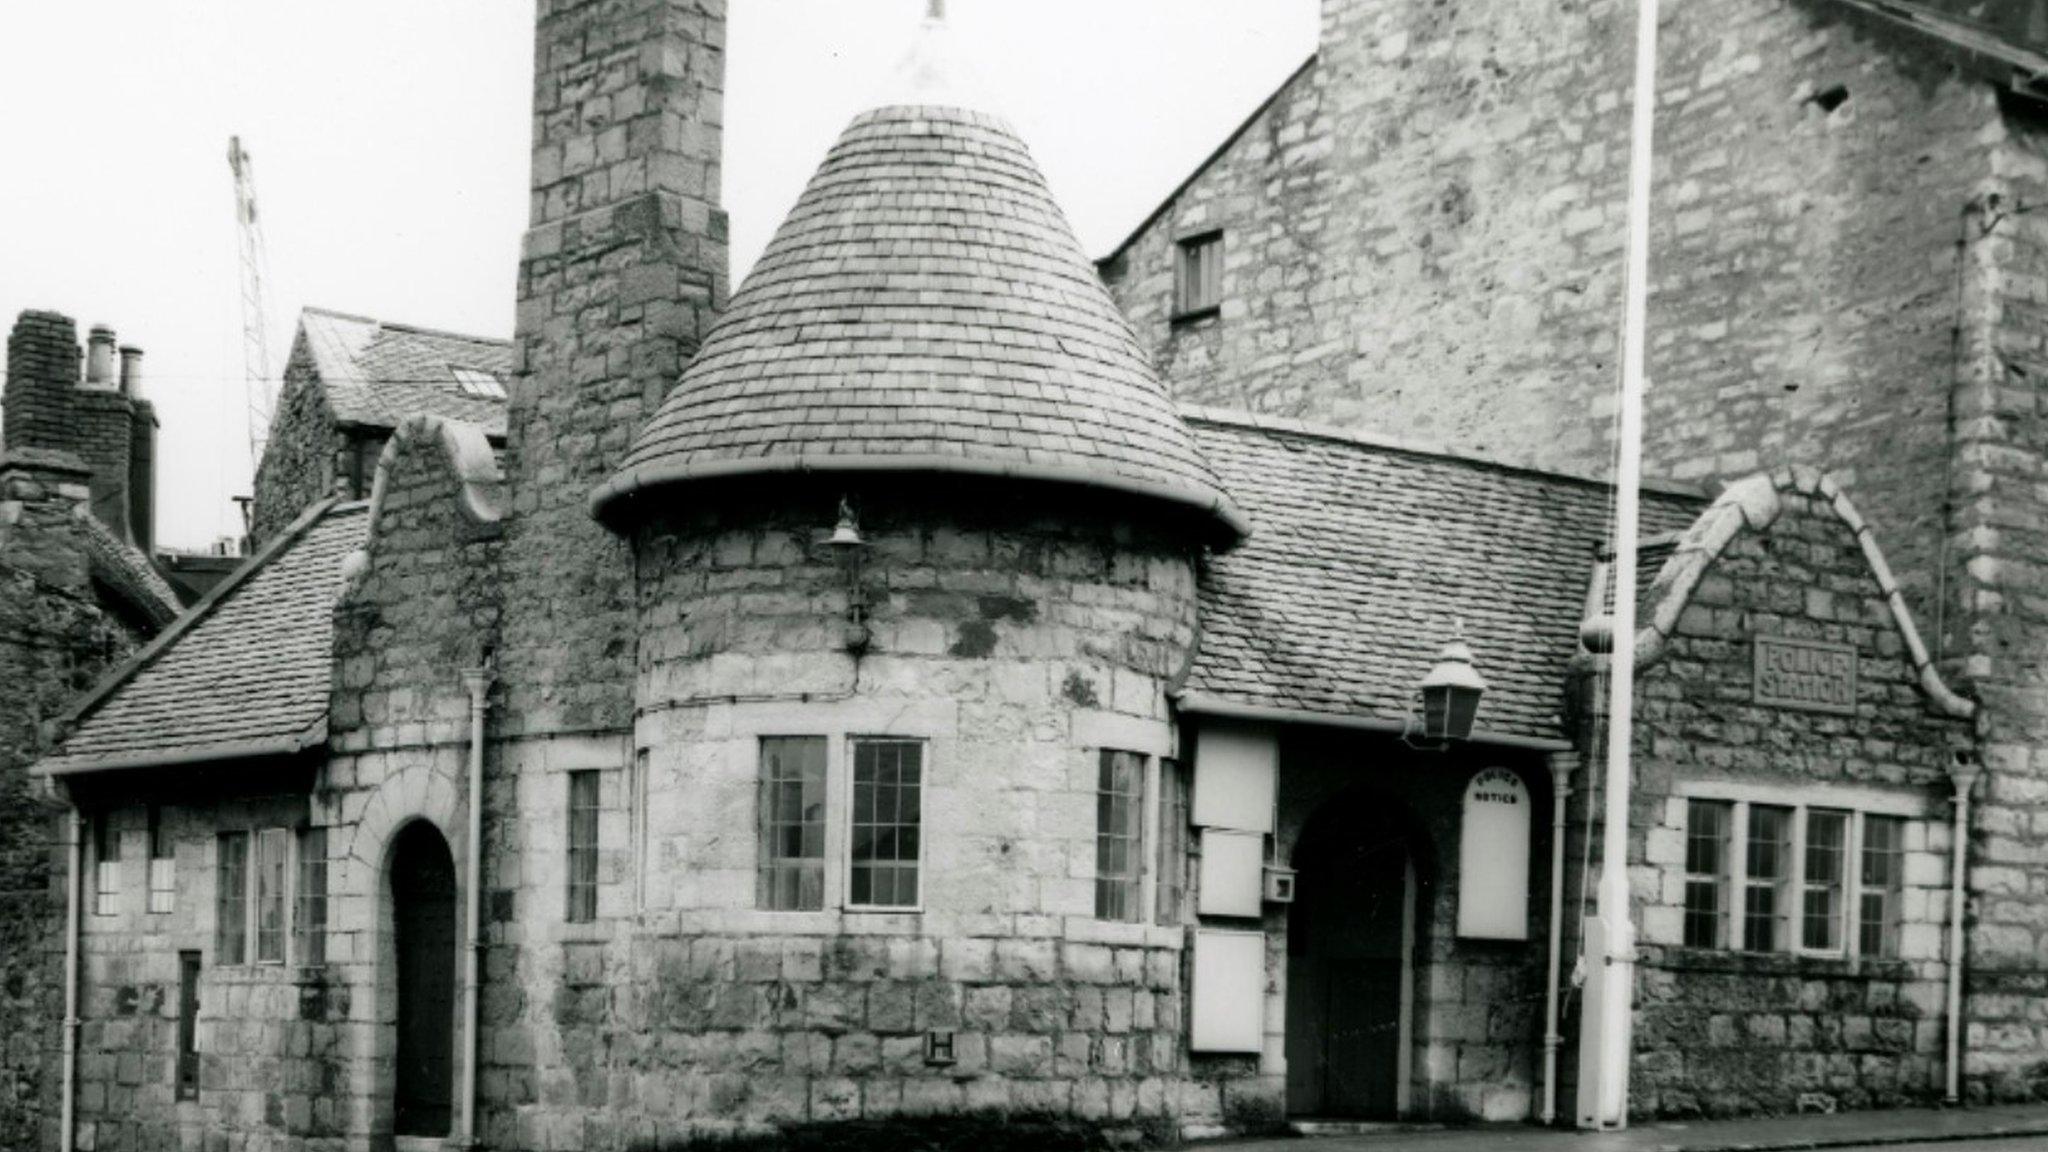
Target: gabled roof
{"type": "Point", "coordinates": [1369, 552]}
{"type": "Point", "coordinates": [127, 572]}
{"type": "Point", "coordinates": [925, 308]}
{"type": "Point", "coordinates": [376, 374]}
{"type": "Point", "coordinates": [245, 672]}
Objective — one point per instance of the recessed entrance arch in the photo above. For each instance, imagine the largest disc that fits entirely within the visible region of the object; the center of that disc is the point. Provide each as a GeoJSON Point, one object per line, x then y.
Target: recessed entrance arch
{"type": "Point", "coordinates": [1351, 946]}
{"type": "Point", "coordinates": [423, 937]}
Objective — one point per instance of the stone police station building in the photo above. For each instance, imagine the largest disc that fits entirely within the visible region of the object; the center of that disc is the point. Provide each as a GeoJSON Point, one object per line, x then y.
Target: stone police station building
{"type": "Point", "coordinates": [948, 675]}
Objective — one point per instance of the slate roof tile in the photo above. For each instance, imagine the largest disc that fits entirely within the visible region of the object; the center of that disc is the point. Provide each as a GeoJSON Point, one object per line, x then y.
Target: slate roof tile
{"type": "Point", "coordinates": [1365, 555]}
{"type": "Point", "coordinates": [249, 663]}
{"type": "Point", "coordinates": [925, 301]}
{"type": "Point", "coordinates": [377, 374]}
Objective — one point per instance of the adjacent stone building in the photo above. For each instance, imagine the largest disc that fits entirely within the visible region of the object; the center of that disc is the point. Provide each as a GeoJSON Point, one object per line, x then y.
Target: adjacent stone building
{"type": "Point", "coordinates": [348, 383]}
{"type": "Point", "coordinates": [884, 693]}
{"type": "Point", "coordinates": [1421, 233]}
{"type": "Point", "coordinates": [77, 594]}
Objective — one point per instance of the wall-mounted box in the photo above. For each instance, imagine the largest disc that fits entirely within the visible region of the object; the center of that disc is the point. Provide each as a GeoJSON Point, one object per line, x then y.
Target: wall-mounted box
{"type": "Point", "coordinates": [1229, 995]}
{"type": "Point", "coordinates": [1232, 873]}
{"type": "Point", "coordinates": [1235, 767]}
{"type": "Point", "coordinates": [1279, 884]}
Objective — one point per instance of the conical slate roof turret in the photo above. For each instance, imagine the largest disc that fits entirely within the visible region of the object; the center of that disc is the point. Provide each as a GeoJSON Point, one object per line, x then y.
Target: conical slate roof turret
{"type": "Point", "coordinates": [925, 308]}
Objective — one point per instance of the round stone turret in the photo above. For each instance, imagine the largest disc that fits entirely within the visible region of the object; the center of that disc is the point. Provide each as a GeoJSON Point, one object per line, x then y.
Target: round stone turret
{"type": "Point", "coordinates": [915, 546]}
{"type": "Point", "coordinates": [925, 309]}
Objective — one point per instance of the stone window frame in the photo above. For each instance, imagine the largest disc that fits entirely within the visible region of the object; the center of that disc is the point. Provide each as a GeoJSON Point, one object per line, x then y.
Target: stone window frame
{"type": "Point", "coordinates": [106, 864]}
{"type": "Point", "coordinates": [1196, 301]}
{"type": "Point", "coordinates": [583, 870]}
{"type": "Point", "coordinates": [837, 884]}
{"type": "Point", "coordinates": [247, 903]}
{"type": "Point", "coordinates": [163, 865]}
{"type": "Point", "coordinates": [1858, 805]}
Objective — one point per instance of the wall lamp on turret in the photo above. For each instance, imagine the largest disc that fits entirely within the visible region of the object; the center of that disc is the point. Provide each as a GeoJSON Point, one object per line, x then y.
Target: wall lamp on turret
{"type": "Point", "coordinates": [1450, 698]}
{"type": "Point", "coordinates": [849, 549]}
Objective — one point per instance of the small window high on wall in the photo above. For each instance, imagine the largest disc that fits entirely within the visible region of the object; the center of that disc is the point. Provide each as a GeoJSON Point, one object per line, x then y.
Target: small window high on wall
{"type": "Point", "coordinates": [1198, 276]}
{"type": "Point", "coordinates": [163, 865]}
{"type": "Point", "coordinates": [106, 868]}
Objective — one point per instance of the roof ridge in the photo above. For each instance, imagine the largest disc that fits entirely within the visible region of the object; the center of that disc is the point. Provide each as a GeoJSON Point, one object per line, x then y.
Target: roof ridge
{"type": "Point", "coordinates": [399, 326]}
{"type": "Point", "coordinates": [204, 607]}
{"type": "Point", "coordinates": [1263, 422]}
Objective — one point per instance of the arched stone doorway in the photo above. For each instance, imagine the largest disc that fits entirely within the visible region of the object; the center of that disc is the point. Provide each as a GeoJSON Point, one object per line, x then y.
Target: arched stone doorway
{"type": "Point", "coordinates": [1350, 960]}
{"type": "Point", "coordinates": [423, 936]}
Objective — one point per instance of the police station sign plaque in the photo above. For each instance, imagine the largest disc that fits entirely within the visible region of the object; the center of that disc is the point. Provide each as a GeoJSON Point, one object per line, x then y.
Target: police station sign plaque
{"type": "Point", "coordinates": [1809, 674]}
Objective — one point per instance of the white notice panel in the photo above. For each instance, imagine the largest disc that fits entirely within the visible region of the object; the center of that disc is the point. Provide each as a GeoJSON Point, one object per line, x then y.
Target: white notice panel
{"type": "Point", "coordinates": [1233, 873]}
{"type": "Point", "coordinates": [1235, 765]}
{"type": "Point", "coordinates": [1230, 991]}
{"type": "Point", "coordinates": [1493, 858]}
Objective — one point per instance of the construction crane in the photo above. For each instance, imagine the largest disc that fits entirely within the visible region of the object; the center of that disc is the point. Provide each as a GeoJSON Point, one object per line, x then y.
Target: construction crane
{"type": "Point", "coordinates": [258, 398]}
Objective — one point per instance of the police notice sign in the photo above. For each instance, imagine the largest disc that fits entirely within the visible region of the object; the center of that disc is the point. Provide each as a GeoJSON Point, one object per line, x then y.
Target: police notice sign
{"type": "Point", "coordinates": [1807, 674]}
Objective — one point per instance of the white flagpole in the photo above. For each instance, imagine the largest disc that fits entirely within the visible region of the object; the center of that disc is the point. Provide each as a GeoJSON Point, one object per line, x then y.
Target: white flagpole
{"type": "Point", "coordinates": [1615, 934]}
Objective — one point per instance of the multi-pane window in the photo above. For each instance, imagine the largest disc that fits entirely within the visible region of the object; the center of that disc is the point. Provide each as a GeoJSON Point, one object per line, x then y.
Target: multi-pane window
{"type": "Point", "coordinates": [309, 923]}
{"type": "Point", "coordinates": [272, 855]}
{"type": "Point", "coordinates": [1793, 877]}
{"type": "Point", "coordinates": [1765, 905]}
{"type": "Point", "coordinates": [1198, 275]}
{"type": "Point", "coordinates": [583, 820]}
{"type": "Point", "coordinates": [231, 898]}
{"type": "Point", "coordinates": [791, 873]}
{"type": "Point", "coordinates": [477, 382]}
{"type": "Point", "coordinates": [1827, 854]}
{"type": "Point", "coordinates": [1708, 828]}
{"type": "Point", "coordinates": [1119, 836]}
{"type": "Point", "coordinates": [1884, 874]}
{"type": "Point", "coordinates": [106, 867]}
{"type": "Point", "coordinates": [887, 813]}
{"type": "Point", "coordinates": [1173, 841]}
{"type": "Point", "coordinates": [163, 867]}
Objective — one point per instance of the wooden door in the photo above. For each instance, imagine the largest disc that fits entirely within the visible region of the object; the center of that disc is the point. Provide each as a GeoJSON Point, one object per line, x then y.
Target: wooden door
{"type": "Point", "coordinates": [423, 904]}
{"type": "Point", "coordinates": [1347, 952]}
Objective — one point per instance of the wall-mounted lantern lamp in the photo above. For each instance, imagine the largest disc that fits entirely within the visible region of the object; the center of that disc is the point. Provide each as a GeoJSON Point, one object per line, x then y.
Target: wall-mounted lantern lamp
{"type": "Point", "coordinates": [1450, 696]}
{"type": "Point", "coordinates": [848, 548]}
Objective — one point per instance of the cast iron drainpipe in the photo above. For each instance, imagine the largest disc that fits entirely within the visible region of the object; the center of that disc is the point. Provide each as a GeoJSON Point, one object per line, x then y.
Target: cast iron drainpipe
{"type": "Point", "coordinates": [1963, 774]}
{"type": "Point", "coordinates": [478, 681]}
{"type": "Point", "coordinates": [1562, 765]}
{"type": "Point", "coordinates": [72, 888]}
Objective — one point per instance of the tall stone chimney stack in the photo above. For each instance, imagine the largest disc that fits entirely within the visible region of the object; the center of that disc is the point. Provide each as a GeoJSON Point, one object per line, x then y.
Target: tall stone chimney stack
{"type": "Point", "coordinates": [622, 272]}
{"type": "Point", "coordinates": [50, 407]}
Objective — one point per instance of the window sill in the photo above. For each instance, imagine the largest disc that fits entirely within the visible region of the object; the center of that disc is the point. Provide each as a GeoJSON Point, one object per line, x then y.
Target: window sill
{"type": "Point", "coordinates": [1195, 316]}
{"type": "Point", "coordinates": [1675, 958]}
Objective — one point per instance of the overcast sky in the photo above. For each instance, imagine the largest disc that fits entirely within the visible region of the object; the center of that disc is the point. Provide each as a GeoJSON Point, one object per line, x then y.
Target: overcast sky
{"type": "Point", "coordinates": [390, 142]}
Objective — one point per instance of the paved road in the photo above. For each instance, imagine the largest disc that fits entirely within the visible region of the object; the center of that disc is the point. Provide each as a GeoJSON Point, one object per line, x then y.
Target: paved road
{"type": "Point", "coordinates": [2003, 1144]}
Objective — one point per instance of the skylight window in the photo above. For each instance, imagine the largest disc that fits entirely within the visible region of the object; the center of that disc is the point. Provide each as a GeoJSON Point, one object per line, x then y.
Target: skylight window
{"type": "Point", "coordinates": [479, 383]}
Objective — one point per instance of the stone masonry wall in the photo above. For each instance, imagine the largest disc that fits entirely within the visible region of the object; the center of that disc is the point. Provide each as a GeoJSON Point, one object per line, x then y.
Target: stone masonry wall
{"type": "Point", "coordinates": [425, 610]}
{"type": "Point", "coordinates": [1017, 644]}
{"type": "Point", "coordinates": [623, 268]}
{"type": "Point", "coordinates": [1999, 550]}
{"type": "Point", "coordinates": [269, 1035]}
{"type": "Point", "coordinates": [303, 456]}
{"type": "Point", "coordinates": [1424, 238]}
{"type": "Point", "coordinates": [1721, 1032]}
{"type": "Point", "coordinates": [56, 639]}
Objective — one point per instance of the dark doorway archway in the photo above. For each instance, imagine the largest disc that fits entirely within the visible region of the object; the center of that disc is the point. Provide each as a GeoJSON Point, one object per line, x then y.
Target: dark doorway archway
{"type": "Point", "coordinates": [1350, 959]}
{"type": "Point", "coordinates": [423, 929]}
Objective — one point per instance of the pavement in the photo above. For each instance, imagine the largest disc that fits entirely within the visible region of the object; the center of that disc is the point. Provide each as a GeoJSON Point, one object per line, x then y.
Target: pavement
{"type": "Point", "coordinates": [2001, 1128]}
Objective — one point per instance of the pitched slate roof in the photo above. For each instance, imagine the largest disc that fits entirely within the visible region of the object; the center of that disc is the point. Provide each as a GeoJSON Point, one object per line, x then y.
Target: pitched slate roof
{"type": "Point", "coordinates": [925, 307]}
{"type": "Point", "coordinates": [244, 672]}
{"type": "Point", "coordinates": [1366, 553]}
{"type": "Point", "coordinates": [377, 374]}
{"type": "Point", "coordinates": [126, 570]}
